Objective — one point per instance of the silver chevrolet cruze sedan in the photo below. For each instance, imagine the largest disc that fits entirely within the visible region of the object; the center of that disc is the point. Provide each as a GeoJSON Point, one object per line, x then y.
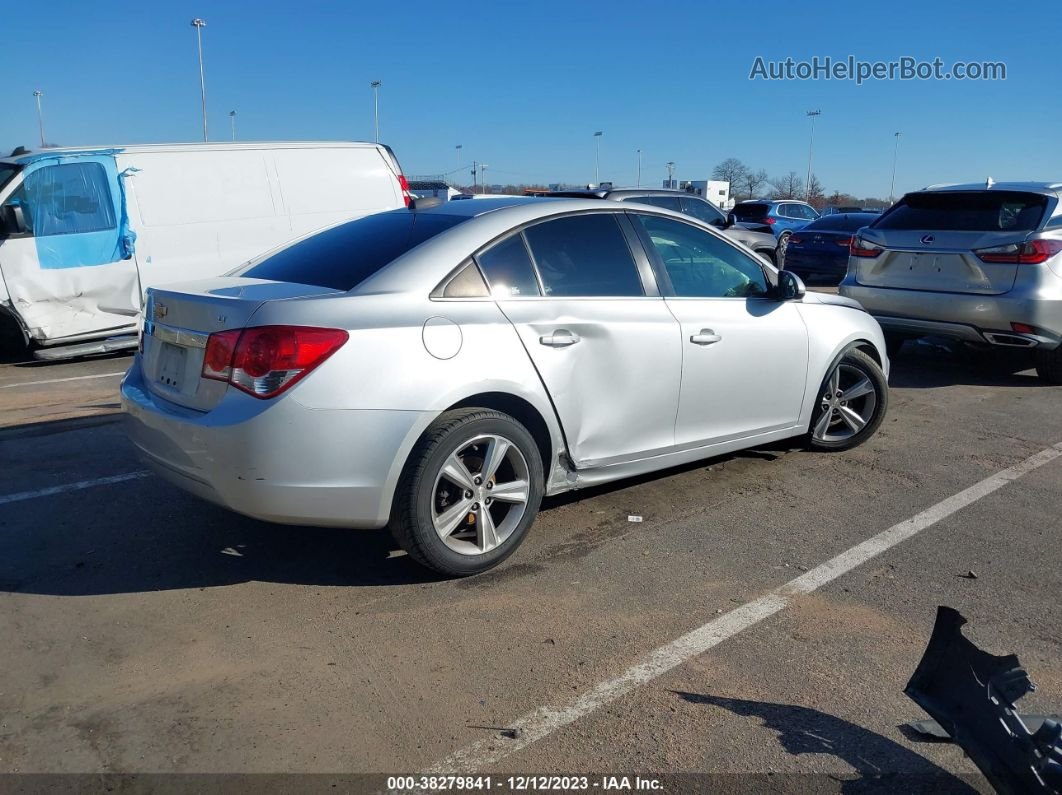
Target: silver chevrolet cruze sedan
{"type": "Point", "coordinates": [441, 370]}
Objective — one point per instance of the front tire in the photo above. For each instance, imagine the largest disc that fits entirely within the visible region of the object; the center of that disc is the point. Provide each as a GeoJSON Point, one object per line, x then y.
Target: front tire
{"type": "Point", "coordinates": [1049, 366]}
{"type": "Point", "coordinates": [469, 492]}
{"type": "Point", "coordinates": [851, 404]}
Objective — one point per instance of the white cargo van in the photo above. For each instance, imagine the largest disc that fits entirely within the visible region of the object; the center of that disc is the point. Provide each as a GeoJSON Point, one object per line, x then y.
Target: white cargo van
{"type": "Point", "coordinates": [83, 232]}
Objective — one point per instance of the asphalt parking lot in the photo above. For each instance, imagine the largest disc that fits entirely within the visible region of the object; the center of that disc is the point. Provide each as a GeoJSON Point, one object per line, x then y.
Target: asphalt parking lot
{"type": "Point", "coordinates": [145, 631]}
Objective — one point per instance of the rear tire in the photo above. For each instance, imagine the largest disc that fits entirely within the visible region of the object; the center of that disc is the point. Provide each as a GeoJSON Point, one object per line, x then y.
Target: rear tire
{"type": "Point", "coordinates": [444, 513]}
{"type": "Point", "coordinates": [783, 244]}
{"type": "Point", "coordinates": [1049, 366]}
{"type": "Point", "coordinates": [851, 404]}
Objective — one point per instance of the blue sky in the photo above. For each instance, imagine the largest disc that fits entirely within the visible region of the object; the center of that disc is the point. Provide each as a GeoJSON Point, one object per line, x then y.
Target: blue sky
{"type": "Point", "coordinates": [523, 86]}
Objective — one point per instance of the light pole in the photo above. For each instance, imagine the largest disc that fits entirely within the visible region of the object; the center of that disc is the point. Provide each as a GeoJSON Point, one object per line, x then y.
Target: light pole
{"type": "Point", "coordinates": [670, 173]}
{"type": "Point", "coordinates": [483, 176]}
{"type": "Point", "coordinates": [40, 116]}
{"type": "Point", "coordinates": [376, 106]}
{"type": "Point", "coordinates": [458, 149]}
{"type": "Point", "coordinates": [597, 157]}
{"type": "Point", "coordinates": [232, 118]}
{"type": "Point", "coordinates": [895, 153]}
{"type": "Point", "coordinates": [199, 24]}
{"type": "Point", "coordinates": [639, 168]}
{"type": "Point", "coordinates": [812, 114]}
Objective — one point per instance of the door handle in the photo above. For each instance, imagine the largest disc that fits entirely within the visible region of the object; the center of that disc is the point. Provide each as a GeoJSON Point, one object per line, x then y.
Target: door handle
{"type": "Point", "coordinates": [561, 338]}
{"type": "Point", "coordinates": [705, 337]}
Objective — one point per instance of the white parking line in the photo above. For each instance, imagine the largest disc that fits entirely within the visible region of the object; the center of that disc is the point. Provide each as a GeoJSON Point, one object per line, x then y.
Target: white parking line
{"type": "Point", "coordinates": [81, 484]}
{"type": "Point", "coordinates": [61, 380]}
{"type": "Point", "coordinates": [546, 720]}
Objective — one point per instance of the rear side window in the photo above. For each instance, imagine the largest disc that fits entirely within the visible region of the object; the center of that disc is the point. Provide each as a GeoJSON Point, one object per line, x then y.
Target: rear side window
{"type": "Point", "coordinates": [584, 255]}
{"type": "Point", "coordinates": [980, 211]}
{"type": "Point", "coordinates": [344, 256]}
{"type": "Point", "coordinates": [667, 202]}
{"type": "Point", "coordinates": [755, 210]}
{"type": "Point", "coordinates": [508, 268]}
{"type": "Point", "coordinates": [703, 211]}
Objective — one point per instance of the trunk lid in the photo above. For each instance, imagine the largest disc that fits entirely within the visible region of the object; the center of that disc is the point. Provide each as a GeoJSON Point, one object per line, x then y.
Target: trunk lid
{"type": "Point", "coordinates": [936, 261]}
{"type": "Point", "coordinates": [179, 320]}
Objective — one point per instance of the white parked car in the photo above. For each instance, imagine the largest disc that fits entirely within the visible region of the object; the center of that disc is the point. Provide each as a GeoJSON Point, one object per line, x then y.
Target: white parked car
{"type": "Point", "coordinates": [440, 370]}
{"type": "Point", "coordinates": [84, 231]}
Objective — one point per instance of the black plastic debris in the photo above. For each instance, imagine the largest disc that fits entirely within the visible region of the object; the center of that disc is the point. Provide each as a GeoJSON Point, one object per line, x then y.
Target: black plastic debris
{"type": "Point", "coordinates": [971, 695]}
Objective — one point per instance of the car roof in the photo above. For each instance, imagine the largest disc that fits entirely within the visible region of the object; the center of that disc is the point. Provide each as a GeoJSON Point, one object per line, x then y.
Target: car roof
{"type": "Point", "coordinates": [1045, 188]}
{"type": "Point", "coordinates": [471, 209]}
{"type": "Point", "coordinates": [773, 201]}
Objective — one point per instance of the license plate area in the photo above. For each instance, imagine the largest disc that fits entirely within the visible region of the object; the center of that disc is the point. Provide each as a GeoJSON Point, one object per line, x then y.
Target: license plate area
{"type": "Point", "coordinates": [172, 359]}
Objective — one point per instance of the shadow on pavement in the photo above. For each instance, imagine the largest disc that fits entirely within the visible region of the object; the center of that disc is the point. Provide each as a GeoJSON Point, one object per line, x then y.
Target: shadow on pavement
{"type": "Point", "coordinates": [883, 765]}
{"type": "Point", "coordinates": [926, 363]}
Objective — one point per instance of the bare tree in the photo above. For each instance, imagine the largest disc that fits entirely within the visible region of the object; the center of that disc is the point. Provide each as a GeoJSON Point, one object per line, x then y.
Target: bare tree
{"type": "Point", "coordinates": [731, 170]}
{"type": "Point", "coordinates": [791, 186]}
{"type": "Point", "coordinates": [816, 196]}
{"type": "Point", "coordinates": [752, 182]}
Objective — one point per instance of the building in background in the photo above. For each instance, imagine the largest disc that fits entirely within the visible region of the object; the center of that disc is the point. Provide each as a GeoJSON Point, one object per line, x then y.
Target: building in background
{"type": "Point", "coordinates": [713, 190]}
{"type": "Point", "coordinates": [426, 187]}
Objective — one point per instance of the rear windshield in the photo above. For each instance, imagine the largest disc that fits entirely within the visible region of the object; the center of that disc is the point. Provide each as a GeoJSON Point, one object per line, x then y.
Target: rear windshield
{"type": "Point", "coordinates": [841, 222]}
{"type": "Point", "coordinates": [749, 210]}
{"type": "Point", "coordinates": [344, 256]}
{"type": "Point", "coordinates": [980, 211]}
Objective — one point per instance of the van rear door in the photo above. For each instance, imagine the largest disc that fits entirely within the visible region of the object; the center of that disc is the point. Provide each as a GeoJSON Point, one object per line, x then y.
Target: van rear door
{"type": "Point", "coordinates": [936, 241]}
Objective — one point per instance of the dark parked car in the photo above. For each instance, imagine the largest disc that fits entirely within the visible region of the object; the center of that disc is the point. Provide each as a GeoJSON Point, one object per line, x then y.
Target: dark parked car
{"type": "Point", "coordinates": [762, 242]}
{"type": "Point", "coordinates": [820, 249]}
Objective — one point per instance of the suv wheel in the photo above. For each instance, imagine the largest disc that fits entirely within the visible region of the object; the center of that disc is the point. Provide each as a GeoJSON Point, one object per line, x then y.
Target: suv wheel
{"type": "Point", "coordinates": [783, 244]}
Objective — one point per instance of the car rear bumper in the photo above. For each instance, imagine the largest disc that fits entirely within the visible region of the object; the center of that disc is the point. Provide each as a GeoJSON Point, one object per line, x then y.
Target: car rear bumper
{"type": "Point", "coordinates": [279, 461]}
{"type": "Point", "coordinates": [805, 263]}
{"type": "Point", "coordinates": [973, 318]}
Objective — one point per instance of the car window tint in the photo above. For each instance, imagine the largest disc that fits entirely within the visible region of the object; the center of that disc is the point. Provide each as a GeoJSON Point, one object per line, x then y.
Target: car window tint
{"type": "Point", "coordinates": [467, 283]}
{"type": "Point", "coordinates": [346, 255]}
{"type": "Point", "coordinates": [703, 211]}
{"type": "Point", "coordinates": [840, 222]}
{"type": "Point", "coordinates": [508, 268]}
{"type": "Point", "coordinates": [700, 264]}
{"type": "Point", "coordinates": [584, 255]}
{"type": "Point", "coordinates": [748, 211]}
{"type": "Point", "coordinates": [961, 211]}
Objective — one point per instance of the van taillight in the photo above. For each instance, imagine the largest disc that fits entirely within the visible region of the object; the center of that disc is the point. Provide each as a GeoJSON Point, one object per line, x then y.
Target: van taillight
{"type": "Point", "coordinates": [1032, 253]}
{"type": "Point", "coordinates": [403, 183]}
{"type": "Point", "coordinates": [265, 360]}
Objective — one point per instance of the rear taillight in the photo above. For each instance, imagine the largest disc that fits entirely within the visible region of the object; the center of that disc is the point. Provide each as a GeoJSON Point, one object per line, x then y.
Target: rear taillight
{"type": "Point", "coordinates": [861, 248]}
{"type": "Point", "coordinates": [265, 360]}
{"type": "Point", "coordinates": [795, 239]}
{"type": "Point", "coordinates": [843, 241]}
{"type": "Point", "coordinates": [769, 221]}
{"type": "Point", "coordinates": [1032, 253]}
{"type": "Point", "coordinates": [403, 183]}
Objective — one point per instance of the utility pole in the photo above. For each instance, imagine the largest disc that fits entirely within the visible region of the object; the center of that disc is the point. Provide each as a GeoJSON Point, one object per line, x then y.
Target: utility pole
{"type": "Point", "coordinates": [232, 118]}
{"type": "Point", "coordinates": [375, 84]}
{"type": "Point", "coordinates": [639, 168]}
{"type": "Point", "coordinates": [483, 175]}
{"type": "Point", "coordinates": [199, 24]}
{"type": "Point", "coordinates": [474, 164]}
{"type": "Point", "coordinates": [597, 157]}
{"type": "Point", "coordinates": [40, 116]}
{"type": "Point", "coordinates": [812, 114]}
{"type": "Point", "coordinates": [895, 153]}
{"type": "Point", "coordinates": [458, 149]}
{"type": "Point", "coordinates": [670, 174]}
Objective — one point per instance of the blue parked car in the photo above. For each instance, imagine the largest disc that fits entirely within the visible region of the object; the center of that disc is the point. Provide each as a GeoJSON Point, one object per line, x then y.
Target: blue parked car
{"type": "Point", "coordinates": [820, 249]}
{"type": "Point", "coordinates": [781, 217]}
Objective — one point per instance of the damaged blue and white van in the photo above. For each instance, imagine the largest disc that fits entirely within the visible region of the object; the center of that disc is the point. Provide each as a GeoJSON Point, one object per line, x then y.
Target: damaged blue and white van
{"type": "Point", "coordinates": [85, 231]}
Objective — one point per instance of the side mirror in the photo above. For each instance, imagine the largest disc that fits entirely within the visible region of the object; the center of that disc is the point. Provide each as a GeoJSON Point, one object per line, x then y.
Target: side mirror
{"type": "Point", "coordinates": [790, 286]}
{"type": "Point", "coordinates": [13, 220]}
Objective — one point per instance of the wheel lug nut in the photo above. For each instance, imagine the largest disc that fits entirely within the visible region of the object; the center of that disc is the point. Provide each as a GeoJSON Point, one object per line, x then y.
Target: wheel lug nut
{"type": "Point", "coordinates": [478, 480]}
{"type": "Point", "coordinates": [475, 506]}
{"type": "Point", "coordinates": [488, 501]}
{"type": "Point", "coordinates": [490, 485]}
{"type": "Point", "coordinates": [468, 495]}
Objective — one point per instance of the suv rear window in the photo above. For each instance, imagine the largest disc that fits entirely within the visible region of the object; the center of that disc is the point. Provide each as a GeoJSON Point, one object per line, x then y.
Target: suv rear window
{"type": "Point", "coordinates": [980, 211]}
{"type": "Point", "coordinates": [743, 211]}
{"type": "Point", "coordinates": [344, 256]}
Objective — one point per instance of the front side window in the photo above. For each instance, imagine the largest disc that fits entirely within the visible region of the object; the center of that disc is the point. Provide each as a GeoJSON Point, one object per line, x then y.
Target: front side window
{"type": "Point", "coordinates": [699, 264]}
{"type": "Point", "coordinates": [67, 199]}
{"type": "Point", "coordinates": [584, 255]}
{"type": "Point", "coordinates": [508, 268]}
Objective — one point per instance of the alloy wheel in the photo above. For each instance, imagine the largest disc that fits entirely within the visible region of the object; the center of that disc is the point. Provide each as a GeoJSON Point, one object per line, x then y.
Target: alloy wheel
{"type": "Point", "coordinates": [847, 404]}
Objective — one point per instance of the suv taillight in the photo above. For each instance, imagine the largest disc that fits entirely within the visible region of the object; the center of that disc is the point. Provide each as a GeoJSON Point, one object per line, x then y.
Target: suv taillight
{"type": "Point", "coordinates": [1032, 253]}
{"type": "Point", "coordinates": [266, 360]}
{"type": "Point", "coordinates": [861, 248]}
{"type": "Point", "coordinates": [769, 221]}
{"type": "Point", "coordinates": [403, 183]}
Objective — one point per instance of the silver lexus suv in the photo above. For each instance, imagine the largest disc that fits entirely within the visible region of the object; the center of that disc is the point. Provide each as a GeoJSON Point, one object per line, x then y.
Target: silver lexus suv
{"type": "Point", "coordinates": [978, 263]}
